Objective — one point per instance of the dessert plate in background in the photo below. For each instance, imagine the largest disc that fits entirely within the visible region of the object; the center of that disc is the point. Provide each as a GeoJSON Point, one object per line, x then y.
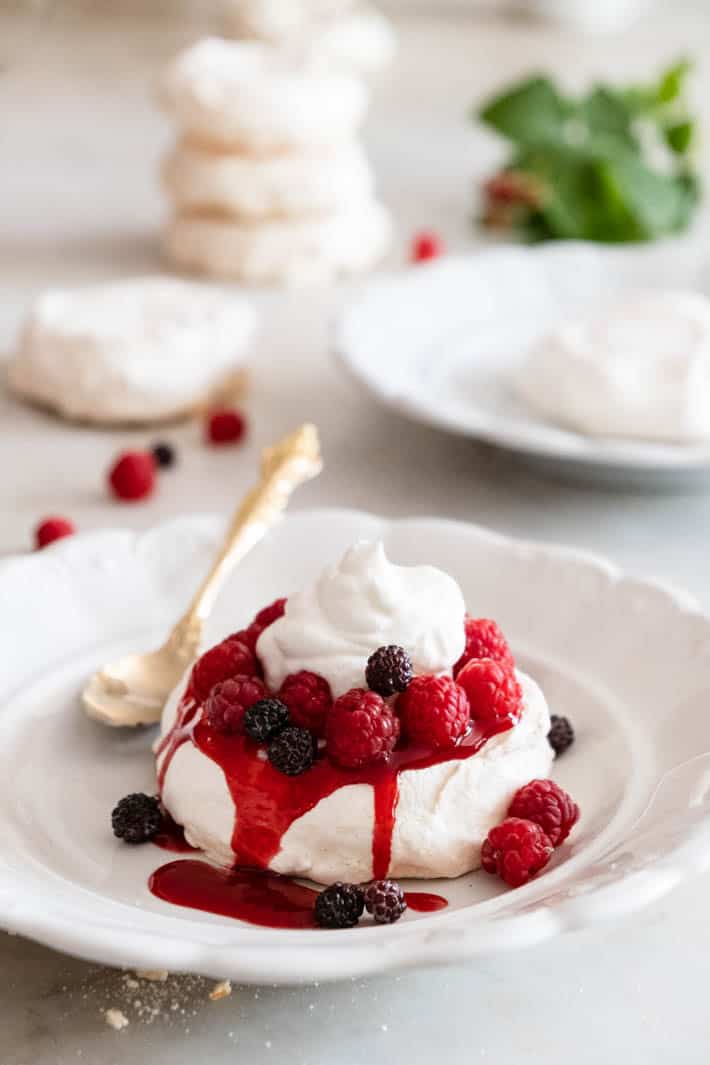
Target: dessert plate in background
{"type": "Point", "coordinates": [440, 343]}
{"type": "Point", "coordinates": [628, 661]}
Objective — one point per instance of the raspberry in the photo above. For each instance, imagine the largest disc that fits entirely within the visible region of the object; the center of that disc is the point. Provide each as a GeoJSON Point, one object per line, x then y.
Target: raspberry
{"type": "Point", "coordinates": [360, 729]}
{"type": "Point", "coordinates": [339, 906]}
{"type": "Point", "coordinates": [248, 636]}
{"type": "Point", "coordinates": [561, 734]}
{"type": "Point", "coordinates": [229, 701]}
{"type": "Point", "coordinates": [230, 658]}
{"type": "Point", "coordinates": [389, 670]}
{"type": "Point", "coordinates": [308, 698]}
{"type": "Point", "coordinates": [426, 246]}
{"type": "Point", "coordinates": [484, 640]}
{"type": "Point", "coordinates": [137, 818]}
{"type": "Point", "coordinates": [52, 529]}
{"type": "Point", "coordinates": [545, 803]}
{"type": "Point", "coordinates": [225, 426]}
{"type": "Point", "coordinates": [516, 850]}
{"type": "Point", "coordinates": [493, 692]}
{"type": "Point", "coordinates": [265, 719]}
{"type": "Point", "coordinates": [293, 751]}
{"type": "Point", "coordinates": [269, 614]}
{"type": "Point", "coordinates": [263, 619]}
{"type": "Point", "coordinates": [164, 454]}
{"type": "Point", "coordinates": [434, 712]}
{"type": "Point", "coordinates": [132, 476]}
{"type": "Point", "coordinates": [385, 900]}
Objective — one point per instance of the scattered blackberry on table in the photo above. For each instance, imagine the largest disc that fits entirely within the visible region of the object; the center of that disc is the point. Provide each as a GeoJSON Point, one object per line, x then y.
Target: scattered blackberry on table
{"type": "Point", "coordinates": [389, 670]}
{"type": "Point", "coordinates": [339, 906]}
{"type": "Point", "coordinates": [561, 734]}
{"type": "Point", "coordinates": [293, 751]}
{"type": "Point", "coordinates": [385, 900]}
{"type": "Point", "coordinates": [137, 818]}
{"type": "Point", "coordinates": [164, 454]}
{"type": "Point", "coordinates": [266, 719]}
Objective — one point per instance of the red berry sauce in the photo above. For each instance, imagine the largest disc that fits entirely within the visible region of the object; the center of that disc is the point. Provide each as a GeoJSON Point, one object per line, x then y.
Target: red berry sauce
{"type": "Point", "coordinates": [252, 895]}
{"type": "Point", "coordinates": [172, 837]}
{"type": "Point", "coordinates": [269, 802]}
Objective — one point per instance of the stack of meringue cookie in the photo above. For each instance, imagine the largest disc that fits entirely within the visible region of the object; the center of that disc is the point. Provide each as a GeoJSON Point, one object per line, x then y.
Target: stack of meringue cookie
{"type": "Point", "coordinates": [268, 180]}
{"type": "Point", "coordinates": [346, 34]}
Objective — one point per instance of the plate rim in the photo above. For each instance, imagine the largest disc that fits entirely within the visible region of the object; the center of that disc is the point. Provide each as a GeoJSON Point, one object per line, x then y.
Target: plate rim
{"type": "Point", "coordinates": [444, 938]}
{"type": "Point", "coordinates": [614, 454]}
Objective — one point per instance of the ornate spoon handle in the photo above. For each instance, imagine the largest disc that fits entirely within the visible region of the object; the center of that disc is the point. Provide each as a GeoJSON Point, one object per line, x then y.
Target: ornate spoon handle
{"type": "Point", "coordinates": [288, 464]}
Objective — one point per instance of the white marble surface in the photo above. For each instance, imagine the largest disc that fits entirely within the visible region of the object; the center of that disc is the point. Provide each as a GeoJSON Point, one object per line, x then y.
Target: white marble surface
{"type": "Point", "coordinates": [79, 144]}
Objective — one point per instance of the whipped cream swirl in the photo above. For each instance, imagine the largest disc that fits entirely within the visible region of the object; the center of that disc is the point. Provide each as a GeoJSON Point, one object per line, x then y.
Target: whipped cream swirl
{"type": "Point", "coordinates": [362, 603]}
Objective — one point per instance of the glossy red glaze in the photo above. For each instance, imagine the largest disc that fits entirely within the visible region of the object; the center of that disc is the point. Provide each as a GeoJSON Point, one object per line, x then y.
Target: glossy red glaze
{"type": "Point", "coordinates": [424, 902]}
{"type": "Point", "coordinates": [246, 894]}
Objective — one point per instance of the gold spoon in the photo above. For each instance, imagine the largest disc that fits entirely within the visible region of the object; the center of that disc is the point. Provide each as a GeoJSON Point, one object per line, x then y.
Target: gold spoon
{"type": "Point", "coordinates": [133, 690]}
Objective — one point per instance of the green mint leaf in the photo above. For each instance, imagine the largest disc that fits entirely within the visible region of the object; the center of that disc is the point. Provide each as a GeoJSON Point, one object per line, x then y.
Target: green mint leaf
{"type": "Point", "coordinates": [672, 81]}
{"type": "Point", "coordinates": [658, 202]}
{"type": "Point", "coordinates": [679, 136]}
{"type": "Point", "coordinates": [532, 112]}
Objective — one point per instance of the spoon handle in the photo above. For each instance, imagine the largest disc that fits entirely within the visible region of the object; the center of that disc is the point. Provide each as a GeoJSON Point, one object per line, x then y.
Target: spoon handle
{"type": "Point", "coordinates": [288, 464]}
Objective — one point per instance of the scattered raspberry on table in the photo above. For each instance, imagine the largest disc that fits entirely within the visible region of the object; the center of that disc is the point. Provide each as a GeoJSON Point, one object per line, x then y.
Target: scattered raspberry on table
{"type": "Point", "coordinates": [225, 426]}
{"type": "Point", "coordinates": [426, 246]}
{"type": "Point", "coordinates": [51, 529]}
{"type": "Point", "coordinates": [132, 476]}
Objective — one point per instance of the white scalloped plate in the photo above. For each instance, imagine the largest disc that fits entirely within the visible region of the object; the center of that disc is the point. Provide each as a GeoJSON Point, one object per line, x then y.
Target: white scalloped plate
{"type": "Point", "coordinates": [440, 343]}
{"type": "Point", "coordinates": [628, 661]}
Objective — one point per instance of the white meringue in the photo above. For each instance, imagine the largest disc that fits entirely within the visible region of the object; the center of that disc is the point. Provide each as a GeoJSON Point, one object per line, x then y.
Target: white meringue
{"type": "Point", "coordinates": [139, 350]}
{"type": "Point", "coordinates": [639, 370]}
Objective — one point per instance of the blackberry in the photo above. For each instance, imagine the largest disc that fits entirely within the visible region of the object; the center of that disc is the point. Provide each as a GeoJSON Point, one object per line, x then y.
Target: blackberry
{"type": "Point", "coordinates": [265, 719]}
{"type": "Point", "coordinates": [389, 670]}
{"type": "Point", "coordinates": [339, 906]}
{"type": "Point", "coordinates": [293, 751]}
{"type": "Point", "coordinates": [164, 454]}
{"type": "Point", "coordinates": [385, 900]}
{"type": "Point", "coordinates": [137, 818]}
{"type": "Point", "coordinates": [561, 734]}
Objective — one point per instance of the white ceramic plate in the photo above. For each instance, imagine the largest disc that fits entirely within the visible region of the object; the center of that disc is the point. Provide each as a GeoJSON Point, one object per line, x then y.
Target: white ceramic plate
{"type": "Point", "coordinates": [440, 343]}
{"type": "Point", "coordinates": [629, 662]}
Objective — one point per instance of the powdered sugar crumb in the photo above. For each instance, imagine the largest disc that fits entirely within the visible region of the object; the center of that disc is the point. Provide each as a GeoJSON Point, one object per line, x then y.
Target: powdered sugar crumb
{"type": "Point", "coordinates": [221, 990]}
{"type": "Point", "coordinates": [116, 1019]}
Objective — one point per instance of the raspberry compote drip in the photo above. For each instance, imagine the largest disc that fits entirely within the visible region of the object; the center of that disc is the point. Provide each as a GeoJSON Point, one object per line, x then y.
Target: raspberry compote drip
{"type": "Point", "coordinates": [269, 802]}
